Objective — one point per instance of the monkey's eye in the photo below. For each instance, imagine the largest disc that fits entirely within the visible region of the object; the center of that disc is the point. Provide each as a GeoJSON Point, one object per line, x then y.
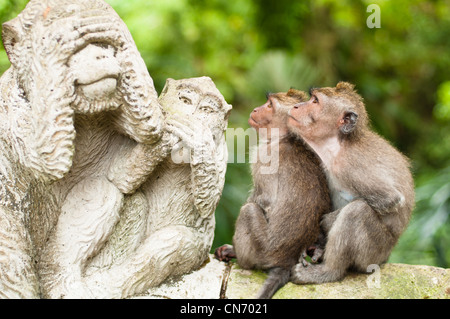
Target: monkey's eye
{"type": "Point", "coordinates": [269, 105]}
{"type": "Point", "coordinates": [206, 109]}
{"type": "Point", "coordinates": [315, 99]}
{"type": "Point", "coordinates": [185, 100]}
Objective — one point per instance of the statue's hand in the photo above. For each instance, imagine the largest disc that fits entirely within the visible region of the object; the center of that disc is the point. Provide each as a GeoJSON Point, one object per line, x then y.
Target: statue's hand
{"type": "Point", "coordinates": [192, 133]}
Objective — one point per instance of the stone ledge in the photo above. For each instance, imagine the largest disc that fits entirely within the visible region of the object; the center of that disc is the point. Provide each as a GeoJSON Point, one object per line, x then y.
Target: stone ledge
{"type": "Point", "coordinates": [392, 281]}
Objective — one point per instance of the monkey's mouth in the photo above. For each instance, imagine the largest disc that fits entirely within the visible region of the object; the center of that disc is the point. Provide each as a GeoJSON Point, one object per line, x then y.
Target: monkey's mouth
{"type": "Point", "coordinates": [253, 122]}
{"type": "Point", "coordinates": [100, 88]}
{"type": "Point", "coordinates": [294, 119]}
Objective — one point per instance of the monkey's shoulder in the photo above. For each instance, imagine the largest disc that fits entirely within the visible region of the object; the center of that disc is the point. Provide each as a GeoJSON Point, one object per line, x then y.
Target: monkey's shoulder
{"type": "Point", "coordinates": [372, 151]}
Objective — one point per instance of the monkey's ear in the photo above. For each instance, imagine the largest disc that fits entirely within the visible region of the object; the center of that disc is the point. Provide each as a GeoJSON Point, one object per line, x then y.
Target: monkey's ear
{"type": "Point", "coordinates": [347, 123]}
{"type": "Point", "coordinates": [11, 35]}
{"type": "Point", "coordinates": [345, 87]}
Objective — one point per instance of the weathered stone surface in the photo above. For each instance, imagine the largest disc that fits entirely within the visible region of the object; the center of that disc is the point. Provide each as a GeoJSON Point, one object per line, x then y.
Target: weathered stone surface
{"type": "Point", "coordinates": [394, 281]}
{"type": "Point", "coordinates": [216, 280]}
{"type": "Point", "coordinates": [204, 283]}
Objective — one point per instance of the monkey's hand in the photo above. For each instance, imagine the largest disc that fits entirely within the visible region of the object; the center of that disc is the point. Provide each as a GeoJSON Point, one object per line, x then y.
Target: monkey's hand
{"type": "Point", "coordinates": [205, 161]}
{"type": "Point", "coordinates": [194, 135]}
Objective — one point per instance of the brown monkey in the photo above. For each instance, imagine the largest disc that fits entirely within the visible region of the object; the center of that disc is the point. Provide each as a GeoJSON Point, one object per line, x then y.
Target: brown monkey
{"type": "Point", "coordinates": [280, 219]}
{"type": "Point", "coordinates": [370, 183]}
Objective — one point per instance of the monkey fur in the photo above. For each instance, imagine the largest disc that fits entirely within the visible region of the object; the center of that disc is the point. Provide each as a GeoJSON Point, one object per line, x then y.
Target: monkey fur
{"type": "Point", "coordinates": [281, 218]}
{"type": "Point", "coordinates": [371, 185]}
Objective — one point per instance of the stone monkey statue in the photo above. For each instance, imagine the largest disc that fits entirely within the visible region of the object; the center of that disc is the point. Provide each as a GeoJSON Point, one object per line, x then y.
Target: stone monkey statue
{"type": "Point", "coordinates": [77, 85]}
{"type": "Point", "coordinates": [370, 182]}
{"type": "Point", "coordinates": [280, 219]}
{"type": "Point", "coordinates": [76, 99]}
{"type": "Point", "coordinates": [182, 190]}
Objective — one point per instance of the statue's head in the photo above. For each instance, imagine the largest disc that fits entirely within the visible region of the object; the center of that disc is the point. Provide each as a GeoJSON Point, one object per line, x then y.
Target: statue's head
{"type": "Point", "coordinates": [73, 56]}
{"type": "Point", "coordinates": [81, 45]}
{"type": "Point", "coordinates": [197, 99]}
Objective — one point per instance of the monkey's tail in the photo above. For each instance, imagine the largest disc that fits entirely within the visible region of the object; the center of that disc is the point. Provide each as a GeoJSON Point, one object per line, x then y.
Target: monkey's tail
{"type": "Point", "coordinates": [277, 278]}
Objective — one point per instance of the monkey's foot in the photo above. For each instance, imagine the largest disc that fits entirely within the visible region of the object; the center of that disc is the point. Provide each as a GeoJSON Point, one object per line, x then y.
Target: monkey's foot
{"type": "Point", "coordinates": [297, 274]}
{"type": "Point", "coordinates": [225, 253]}
{"type": "Point", "coordinates": [315, 274]}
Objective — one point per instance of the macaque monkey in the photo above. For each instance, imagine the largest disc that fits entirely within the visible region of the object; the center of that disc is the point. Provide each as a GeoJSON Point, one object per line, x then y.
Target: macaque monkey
{"type": "Point", "coordinates": [370, 183]}
{"type": "Point", "coordinates": [280, 219]}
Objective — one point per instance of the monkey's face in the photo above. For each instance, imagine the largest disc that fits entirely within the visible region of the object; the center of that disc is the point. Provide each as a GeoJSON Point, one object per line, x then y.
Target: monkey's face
{"type": "Point", "coordinates": [199, 100]}
{"type": "Point", "coordinates": [326, 114]}
{"type": "Point", "coordinates": [262, 116]}
{"type": "Point", "coordinates": [96, 72]}
{"type": "Point", "coordinates": [273, 113]}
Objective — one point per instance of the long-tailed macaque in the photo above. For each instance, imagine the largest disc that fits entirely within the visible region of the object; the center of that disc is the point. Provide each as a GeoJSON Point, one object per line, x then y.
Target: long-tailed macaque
{"type": "Point", "coordinates": [280, 219]}
{"type": "Point", "coordinates": [370, 183]}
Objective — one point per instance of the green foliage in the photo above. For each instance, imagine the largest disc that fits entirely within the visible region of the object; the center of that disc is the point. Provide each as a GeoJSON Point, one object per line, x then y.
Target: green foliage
{"type": "Point", "coordinates": [426, 239]}
{"type": "Point", "coordinates": [442, 109]}
{"type": "Point", "coordinates": [250, 47]}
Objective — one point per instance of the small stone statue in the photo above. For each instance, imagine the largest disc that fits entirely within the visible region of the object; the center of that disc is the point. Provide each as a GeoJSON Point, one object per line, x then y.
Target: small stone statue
{"type": "Point", "coordinates": [95, 200]}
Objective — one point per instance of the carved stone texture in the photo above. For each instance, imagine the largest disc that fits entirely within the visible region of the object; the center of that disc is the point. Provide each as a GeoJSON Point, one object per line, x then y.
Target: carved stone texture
{"type": "Point", "coordinates": [106, 190]}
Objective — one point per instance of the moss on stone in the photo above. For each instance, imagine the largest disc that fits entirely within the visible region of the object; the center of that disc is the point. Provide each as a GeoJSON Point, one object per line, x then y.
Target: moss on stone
{"type": "Point", "coordinates": [393, 281]}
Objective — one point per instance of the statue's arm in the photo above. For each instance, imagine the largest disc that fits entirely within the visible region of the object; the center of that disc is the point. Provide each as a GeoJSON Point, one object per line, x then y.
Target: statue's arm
{"type": "Point", "coordinates": [208, 166]}
{"type": "Point", "coordinates": [208, 162]}
{"type": "Point", "coordinates": [140, 117]}
{"type": "Point", "coordinates": [40, 130]}
{"type": "Point", "coordinates": [132, 167]}
{"type": "Point", "coordinates": [17, 273]}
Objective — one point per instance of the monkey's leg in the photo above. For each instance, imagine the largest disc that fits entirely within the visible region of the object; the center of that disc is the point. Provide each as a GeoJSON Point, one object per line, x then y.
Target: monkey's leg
{"type": "Point", "coordinates": [170, 251]}
{"type": "Point", "coordinates": [250, 236]}
{"type": "Point", "coordinates": [88, 215]}
{"type": "Point", "coordinates": [127, 235]}
{"type": "Point", "coordinates": [317, 250]}
{"type": "Point", "coordinates": [357, 239]}
{"type": "Point", "coordinates": [328, 220]}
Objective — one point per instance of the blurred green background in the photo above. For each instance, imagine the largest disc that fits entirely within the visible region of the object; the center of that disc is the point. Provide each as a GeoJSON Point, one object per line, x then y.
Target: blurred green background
{"type": "Point", "coordinates": [249, 47]}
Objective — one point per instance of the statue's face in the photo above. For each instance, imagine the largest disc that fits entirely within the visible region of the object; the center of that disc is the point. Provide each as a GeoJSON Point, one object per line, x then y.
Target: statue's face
{"type": "Point", "coordinates": [198, 100]}
{"type": "Point", "coordinates": [192, 100]}
{"type": "Point", "coordinates": [96, 72]}
{"type": "Point", "coordinates": [80, 46]}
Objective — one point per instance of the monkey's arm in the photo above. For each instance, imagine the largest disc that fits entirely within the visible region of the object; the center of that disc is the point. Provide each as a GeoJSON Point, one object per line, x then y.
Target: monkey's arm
{"type": "Point", "coordinates": [141, 116]}
{"type": "Point", "coordinates": [208, 163]}
{"type": "Point", "coordinates": [385, 201]}
{"type": "Point", "coordinates": [143, 124]}
{"type": "Point", "coordinates": [41, 125]}
{"type": "Point", "coordinates": [208, 166]}
{"type": "Point", "coordinates": [379, 191]}
{"type": "Point", "coordinates": [17, 274]}
{"type": "Point", "coordinates": [128, 171]}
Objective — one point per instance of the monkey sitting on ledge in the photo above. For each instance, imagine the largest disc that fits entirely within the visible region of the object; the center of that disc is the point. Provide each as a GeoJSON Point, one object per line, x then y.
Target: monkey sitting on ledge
{"type": "Point", "coordinates": [370, 183]}
{"type": "Point", "coordinates": [280, 219]}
